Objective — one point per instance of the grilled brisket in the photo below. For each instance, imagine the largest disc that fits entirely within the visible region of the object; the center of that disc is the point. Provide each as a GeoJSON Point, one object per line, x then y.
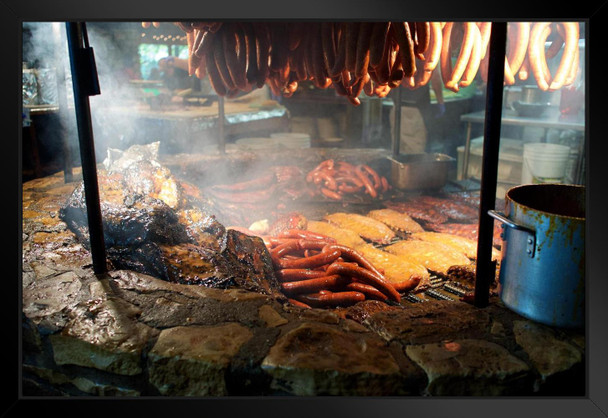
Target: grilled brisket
{"type": "Point", "coordinates": [156, 225]}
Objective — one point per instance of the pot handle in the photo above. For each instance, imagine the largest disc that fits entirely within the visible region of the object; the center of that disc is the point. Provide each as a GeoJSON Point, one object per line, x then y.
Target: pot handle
{"type": "Point", "coordinates": [395, 161]}
{"type": "Point", "coordinates": [531, 242]}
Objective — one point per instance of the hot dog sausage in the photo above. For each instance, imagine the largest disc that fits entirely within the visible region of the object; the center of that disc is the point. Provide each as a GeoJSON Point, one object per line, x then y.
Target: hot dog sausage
{"type": "Point", "coordinates": [353, 255]}
{"type": "Point", "coordinates": [340, 60]}
{"type": "Point", "coordinates": [341, 90]}
{"type": "Point", "coordinates": [285, 248]}
{"type": "Point", "coordinates": [536, 53]}
{"type": "Point", "coordinates": [463, 57]}
{"type": "Point", "coordinates": [272, 242]}
{"type": "Point", "coordinates": [382, 91]}
{"type": "Point", "coordinates": [316, 55]}
{"type": "Point", "coordinates": [213, 27]}
{"type": "Point", "coordinates": [368, 87]}
{"type": "Point", "coordinates": [297, 60]}
{"type": "Point", "coordinates": [214, 76]}
{"type": "Point", "coordinates": [366, 276]}
{"type": "Point", "coordinates": [295, 35]}
{"type": "Point", "coordinates": [373, 174]}
{"type": "Point", "coordinates": [383, 68]}
{"type": "Point", "coordinates": [294, 275]}
{"type": "Point", "coordinates": [485, 29]}
{"type": "Point", "coordinates": [345, 188]}
{"type": "Point", "coordinates": [571, 35]}
{"type": "Point", "coordinates": [574, 69]}
{"type": "Point", "coordinates": [519, 45]}
{"type": "Point", "coordinates": [357, 87]}
{"type": "Point", "coordinates": [377, 42]}
{"type": "Point", "coordinates": [329, 164]}
{"type": "Point", "coordinates": [524, 69]}
{"type": "Point", "coordinates": [403, 36]}
{"type": "Point", "coordinates": [314, 285]}
{"type": "Point", "coordinates": [344, 166]}
{"type": "Point", "coordinates": [369, 291]}
{"type": "Point", "coordinates": [220, 61]}
{"type": "Point", "coordinates": [474, 60]}
{"type": "Point", "coordinates": [323, 299]}
{"type": "Point", "coordinates": [367, 183]}
{"type": "Point", "coordinates": [385, 185]}
{"type": "Point", "coordinates": [434, 48]}
{"type": "Point", "coordinates": [351, 37]}
{"type": "Point", "coordinates": [331, 194]}
{"type": "Point", "coordinates": [325, 257]}
{"type": "Point", "coordinates": [263, 52]}
{"type": "Point", "coordinates": [327, 180]}
{"type": "Point", "coordinates": [298, 303]}
{"type": "Point", "coordinates": [446, 55]}
{"type": "Point", "coordinates": [363, 45]}
{"type": "Point", "coordinates": [252, 59]}
{"type": "Point", "coordinates": [329, 45]}
{"type": "Point", "coordinates": [423, 35]}
{"type": "Point", "coordinates": [305, 234]}
{"type": "Point", "coordinates": [280, 47]}
{"type": "Point", "coordinates": [349, 178]}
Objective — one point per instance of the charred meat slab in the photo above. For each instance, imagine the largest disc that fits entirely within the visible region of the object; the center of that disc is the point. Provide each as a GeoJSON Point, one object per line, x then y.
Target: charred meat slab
{"type": "Point", "coordinates": [243, 263]}
{"type": "Point", "coordinates": [156, 225]}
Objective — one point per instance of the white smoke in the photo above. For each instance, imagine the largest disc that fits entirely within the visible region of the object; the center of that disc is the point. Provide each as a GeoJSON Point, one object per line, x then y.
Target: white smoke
{"type": "Point", "coordinates": [120, 114]}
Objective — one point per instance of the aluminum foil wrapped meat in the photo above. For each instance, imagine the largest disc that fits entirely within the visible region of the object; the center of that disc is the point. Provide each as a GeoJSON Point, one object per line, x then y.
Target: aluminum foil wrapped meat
{"type": "Point", "coordinates": [29, 87]}
{"type": "Point", "coordinates": [47, 86]}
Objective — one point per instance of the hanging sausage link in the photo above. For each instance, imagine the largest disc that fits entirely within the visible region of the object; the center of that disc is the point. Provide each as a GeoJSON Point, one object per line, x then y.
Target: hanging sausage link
{"type": "Point", "coordinates": [371, 57]}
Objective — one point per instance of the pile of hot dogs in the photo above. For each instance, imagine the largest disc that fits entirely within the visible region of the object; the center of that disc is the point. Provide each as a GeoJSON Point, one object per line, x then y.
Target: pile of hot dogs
{"type": "Point", "coordinates": [371, 57]}
{"type": "Point", "coordinates": [314, 271]}
{"type": "Point", "coordinates": [336, 179]}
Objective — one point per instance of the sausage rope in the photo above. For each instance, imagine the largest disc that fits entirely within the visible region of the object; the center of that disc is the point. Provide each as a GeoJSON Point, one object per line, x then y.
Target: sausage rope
{"type": "Point", "coordinates": [371, 58]}
{"type": "Point", "coordinates": [305, 273]}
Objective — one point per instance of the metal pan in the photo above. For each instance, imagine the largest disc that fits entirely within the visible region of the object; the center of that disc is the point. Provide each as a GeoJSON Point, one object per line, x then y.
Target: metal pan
{"type": "Point", "coordinates": [423, 171]}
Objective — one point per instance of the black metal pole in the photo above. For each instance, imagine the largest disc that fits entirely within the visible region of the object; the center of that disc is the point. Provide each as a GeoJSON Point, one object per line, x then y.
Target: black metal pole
{"type": "Point", "coordinates": [84, 81]}
{"type": "Point", "coordinates": [485, 270]}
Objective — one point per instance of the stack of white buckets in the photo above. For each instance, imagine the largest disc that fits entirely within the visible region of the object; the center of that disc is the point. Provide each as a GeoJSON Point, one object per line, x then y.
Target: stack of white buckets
{"type": "Point", "coordinates": [544, 163]}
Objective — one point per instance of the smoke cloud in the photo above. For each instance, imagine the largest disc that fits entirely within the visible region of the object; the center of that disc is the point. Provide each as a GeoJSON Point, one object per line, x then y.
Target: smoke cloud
{"type": "Point", "coordinates": [121, 113]}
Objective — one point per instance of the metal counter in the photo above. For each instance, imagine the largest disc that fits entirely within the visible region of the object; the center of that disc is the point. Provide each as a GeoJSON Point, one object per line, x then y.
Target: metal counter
{"type": "Point", "coordinates": [186, 128]}
{"type": "Point", "coordinates": [550, 120]}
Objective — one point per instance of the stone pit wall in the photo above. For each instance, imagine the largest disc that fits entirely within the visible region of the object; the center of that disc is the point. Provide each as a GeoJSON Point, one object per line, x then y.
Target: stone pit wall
{"type": "Point", "coordinates": [128, 334]}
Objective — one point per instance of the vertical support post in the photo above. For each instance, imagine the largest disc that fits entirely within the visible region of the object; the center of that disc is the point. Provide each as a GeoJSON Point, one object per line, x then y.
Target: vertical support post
{"type": "Point", "coordinates": [467, 151]}
{"type": "Point", "coordinates": [62, 102]}
{"type": "Point", "coordinates": [397, 134]}
{"type": "Point", "coordinates": [84, 81]}
{"type": "Point", "coordinates": [485, 270]}
{"type": "Point", "coordinates": [220, 125]}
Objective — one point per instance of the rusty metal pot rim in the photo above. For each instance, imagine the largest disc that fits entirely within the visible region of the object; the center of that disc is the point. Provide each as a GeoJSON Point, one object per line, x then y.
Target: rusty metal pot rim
{"type": "Point", "coordinates": [522, 186]}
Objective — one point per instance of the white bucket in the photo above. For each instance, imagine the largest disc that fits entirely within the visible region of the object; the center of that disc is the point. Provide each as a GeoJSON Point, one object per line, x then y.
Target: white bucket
{"type": "Point", "coordinates": [544, 163]}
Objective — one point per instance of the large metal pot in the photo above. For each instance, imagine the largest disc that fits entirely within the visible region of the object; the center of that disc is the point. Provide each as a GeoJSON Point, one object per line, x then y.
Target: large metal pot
{"type": "Point", "coordinates": [542, 272]}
